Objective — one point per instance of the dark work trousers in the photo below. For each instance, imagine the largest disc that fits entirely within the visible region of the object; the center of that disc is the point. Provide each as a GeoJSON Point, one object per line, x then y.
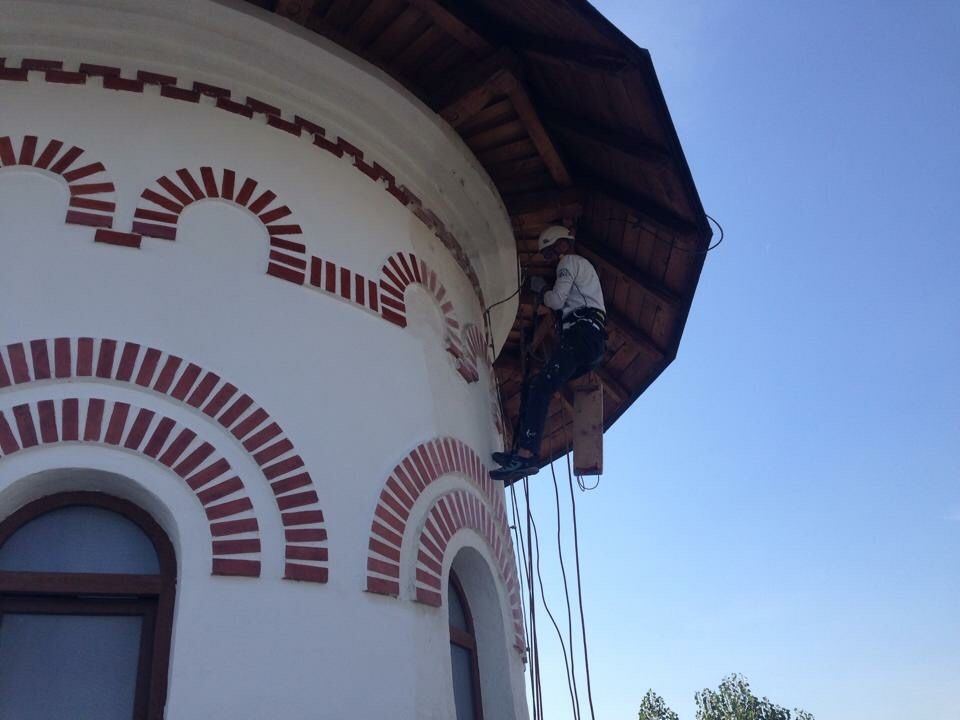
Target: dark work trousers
{"type": "Point", "coordinates": [581, 347]}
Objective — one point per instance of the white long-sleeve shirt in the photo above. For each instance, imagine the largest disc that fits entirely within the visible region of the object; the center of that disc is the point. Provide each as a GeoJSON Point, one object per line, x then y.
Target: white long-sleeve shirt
{"type": "Point", "coordinates": [577, 286]}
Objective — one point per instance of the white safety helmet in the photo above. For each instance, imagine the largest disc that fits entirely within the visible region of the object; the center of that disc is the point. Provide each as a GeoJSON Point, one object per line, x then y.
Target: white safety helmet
{"type": "Point", "coordinates": [551, 235]}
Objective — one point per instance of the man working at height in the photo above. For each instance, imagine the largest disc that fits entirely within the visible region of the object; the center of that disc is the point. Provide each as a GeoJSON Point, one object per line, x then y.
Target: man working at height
{"type": "Point", "coordinates": [578, 301]}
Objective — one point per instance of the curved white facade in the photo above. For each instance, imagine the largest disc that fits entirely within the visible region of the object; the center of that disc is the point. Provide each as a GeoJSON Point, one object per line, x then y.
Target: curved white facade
{"type": "Point", "coordinates": [261, 323]}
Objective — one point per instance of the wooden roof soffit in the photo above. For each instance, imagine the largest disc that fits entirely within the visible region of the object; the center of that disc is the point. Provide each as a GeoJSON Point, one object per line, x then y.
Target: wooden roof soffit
{"type": "Point", "coordinates": [621, 141]}
{"type": "Point", "coordinates": [600, 255]}
{"type": "Point", "coordinates": [500, 75]}
{"type": "Point", "coordinates": [541, 139]}
{"type": "Point", "coordinates": [619, 323]}
{"type": "Point", "coordinates": [643, 207]}
{"type": "Point", "coordinates": [472, 26]}
{"type": "Point", "coordinates": [297, 10]}
{"type": "Point", "coordinates": [451, 23]}
{"type": "Point", "coordinates": [545, 206]}
{"type": "Point", "coordinates": [467, 95]}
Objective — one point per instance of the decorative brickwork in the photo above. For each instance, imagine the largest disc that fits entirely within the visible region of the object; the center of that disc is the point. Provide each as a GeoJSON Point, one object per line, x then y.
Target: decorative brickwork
{"type": "Point", "coordinates": [425, 465]}
{"type": "Point", "coordinates": [109, 78]}
{"type": "Point", "coordinates": [448, 515]}
{"type": "Point", "coordinates": [160, 207]}
{"type": "Point", "coordinates": [206, 393]}
{"type": "Point", "coordinates": [234, 529]}
{"type": "Point", "coordinates": [92, 194]}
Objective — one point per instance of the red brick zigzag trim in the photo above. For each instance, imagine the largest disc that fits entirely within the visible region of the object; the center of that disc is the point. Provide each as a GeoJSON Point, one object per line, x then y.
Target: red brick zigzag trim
{"type": "Point", "coordinates": [53, 72]}
{"type": "Point", "coordinates": [206, 392]}
{"type": "Point", "coordinates": [92, 194]}
{"type": "Point", "coordinates": [449, 514]}
{"type": "Point", "coordinates": [233, 526]}
{"type": "Point", "coordinates": [160, 207]}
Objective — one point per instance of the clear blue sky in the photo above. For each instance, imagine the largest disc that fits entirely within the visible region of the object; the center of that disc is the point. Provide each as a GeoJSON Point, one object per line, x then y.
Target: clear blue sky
{"type": "Point", "coordinates": [784, 502]}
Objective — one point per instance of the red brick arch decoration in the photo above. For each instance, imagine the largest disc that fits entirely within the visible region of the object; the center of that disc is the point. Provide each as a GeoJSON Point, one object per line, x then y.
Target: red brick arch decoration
{"type": "Point", "coordinates": [92, 202]}
{"type": "Point", "coordinates": [110, 78]}
{"type": "Point", "coordinates": [234, 528]}
{"type": "Point", "coordinates": [448, 515]}
{"type": "Point", "coordinates": [426, 464]}
{"type": "Point", "coordinates": [206, 393]}
{"type": "Point", "coordinates": [160, 206]}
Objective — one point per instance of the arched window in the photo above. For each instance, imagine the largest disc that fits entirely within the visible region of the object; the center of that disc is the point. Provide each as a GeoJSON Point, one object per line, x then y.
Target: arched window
{"type": "Point", "coordinates": [87, 585]}
{"type": "Point", "coordinates": [463, 654]}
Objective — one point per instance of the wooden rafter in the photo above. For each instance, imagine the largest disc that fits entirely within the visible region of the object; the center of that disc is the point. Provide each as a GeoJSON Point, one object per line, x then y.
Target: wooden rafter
{"type": "Point", "coordinates": [475, 28]}
{"type": "Point", "coordinates": [541, 138]}
{"type": "Point", "coordinates": [619, 323]}
{"type": "Point", "coordinates": [451, 24]}
{"type": "Point", "coordinates": [642, 206]}
{"type": "Point", "coordinates": [468, 95]}
{"type": "Point", "coordinates": [541, 207]}
{"type": "Point", "coordinates": [297, 10]}
{"type": "Point", "coordinates": [624, 270]}
{"type": "Point", "coordinates": [622, 141]}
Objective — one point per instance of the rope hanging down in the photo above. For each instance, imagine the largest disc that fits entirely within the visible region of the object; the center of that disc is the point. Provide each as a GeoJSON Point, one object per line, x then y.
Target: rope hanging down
{"type": "Point", "coordinates": [528, 549]}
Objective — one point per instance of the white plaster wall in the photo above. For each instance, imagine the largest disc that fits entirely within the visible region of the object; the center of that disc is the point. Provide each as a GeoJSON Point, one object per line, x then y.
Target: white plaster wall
{"type": "Point", "coordinates": [354, 393]}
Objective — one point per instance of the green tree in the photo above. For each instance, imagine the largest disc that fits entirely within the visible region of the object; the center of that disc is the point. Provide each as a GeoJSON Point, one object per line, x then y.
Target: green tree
{"type": "Point", "coordinates": [654, 708]}
{"type": "Point", "coordinates": [734, 700]}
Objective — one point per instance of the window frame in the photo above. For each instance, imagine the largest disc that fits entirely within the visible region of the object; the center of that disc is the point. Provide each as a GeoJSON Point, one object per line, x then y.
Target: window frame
{"type": "Point", "coordinates": [151, 596]}
{"type": "Point", "coordinates": [468, 641]}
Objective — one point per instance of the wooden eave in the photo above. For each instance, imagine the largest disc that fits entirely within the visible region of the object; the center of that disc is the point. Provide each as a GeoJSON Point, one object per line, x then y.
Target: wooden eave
{"type": "Point", "coordinates": [567, 116]}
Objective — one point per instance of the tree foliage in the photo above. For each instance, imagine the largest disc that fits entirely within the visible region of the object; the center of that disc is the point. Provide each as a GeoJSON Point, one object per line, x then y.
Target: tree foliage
{"type": "Point", "coordinates": [733, 700]}
{"type": "Point", "coordinates": [654, 708]}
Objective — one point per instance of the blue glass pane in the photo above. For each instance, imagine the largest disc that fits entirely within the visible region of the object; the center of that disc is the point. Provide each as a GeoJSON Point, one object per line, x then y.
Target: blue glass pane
{"type": "Point", "coordinates": [462, 661]}
{"type": "Point", "coordinates": [80, 539]}
{"type": "Point", "coordinates": [68, 666]}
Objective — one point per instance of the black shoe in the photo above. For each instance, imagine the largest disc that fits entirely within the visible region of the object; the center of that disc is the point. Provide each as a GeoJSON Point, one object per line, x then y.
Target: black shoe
{"type": "Point", "coordinates": [516, 468]}
{"type": "Point", "coordinates": [502, 458]}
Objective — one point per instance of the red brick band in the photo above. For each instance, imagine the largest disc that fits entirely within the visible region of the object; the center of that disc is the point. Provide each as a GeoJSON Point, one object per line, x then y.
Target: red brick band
{"type": "Point", "coordinates": [91, 192]}
{"type": "Point", "coordinates": [448, 515]}
{"type": "Point", "coordinates": [109, 78]}
{"type": "Point", "coordinates": [160, 206]}
{"type": "Point", "coordinates": [426, 464]}
{"type": "Point", "coordinates": [234, 528]}
{"type": "Point", "coordinates": [204, 392]}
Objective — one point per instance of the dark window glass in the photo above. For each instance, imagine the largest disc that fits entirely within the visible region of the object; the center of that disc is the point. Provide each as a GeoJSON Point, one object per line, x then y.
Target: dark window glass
{"type": "Point", "coordinates": [86, 608]}
{"type": "Point", "coordinates": [63, 666]}
{"type": "Point", "coordinates": [463, 654]}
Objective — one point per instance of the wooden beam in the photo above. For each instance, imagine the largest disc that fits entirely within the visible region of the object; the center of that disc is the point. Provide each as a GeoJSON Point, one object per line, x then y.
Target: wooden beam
{"type": "Point", "coordinates": [619, 323]}
{"type": "Point", "coordinates": [297, 10]}
{"type": "Point", "coordinates": [544, 206]}
{"type": "Point", "coordinates": [582, 54]}
{"type": "Point", "coordinates": [453, 25]}
{"type": "Point", "coordinates": [541, 138]}
{"type": "Point", "coordinates": [477, 29]}
{"type": "Point", "coordinates": [622, 141]}
{"type": "Point", "coordinates": [625, 270]}
{"type": "Point", "coordinates": [643, 206]}
{"type": "Point", "coordinates": [468, 95]}
{"type": "Point", "coordinates": [614, 386]}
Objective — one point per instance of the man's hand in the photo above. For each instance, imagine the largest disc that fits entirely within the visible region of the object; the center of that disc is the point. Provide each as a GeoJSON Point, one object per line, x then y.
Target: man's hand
{"type": "Point", "coordinates": [538, 284]}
